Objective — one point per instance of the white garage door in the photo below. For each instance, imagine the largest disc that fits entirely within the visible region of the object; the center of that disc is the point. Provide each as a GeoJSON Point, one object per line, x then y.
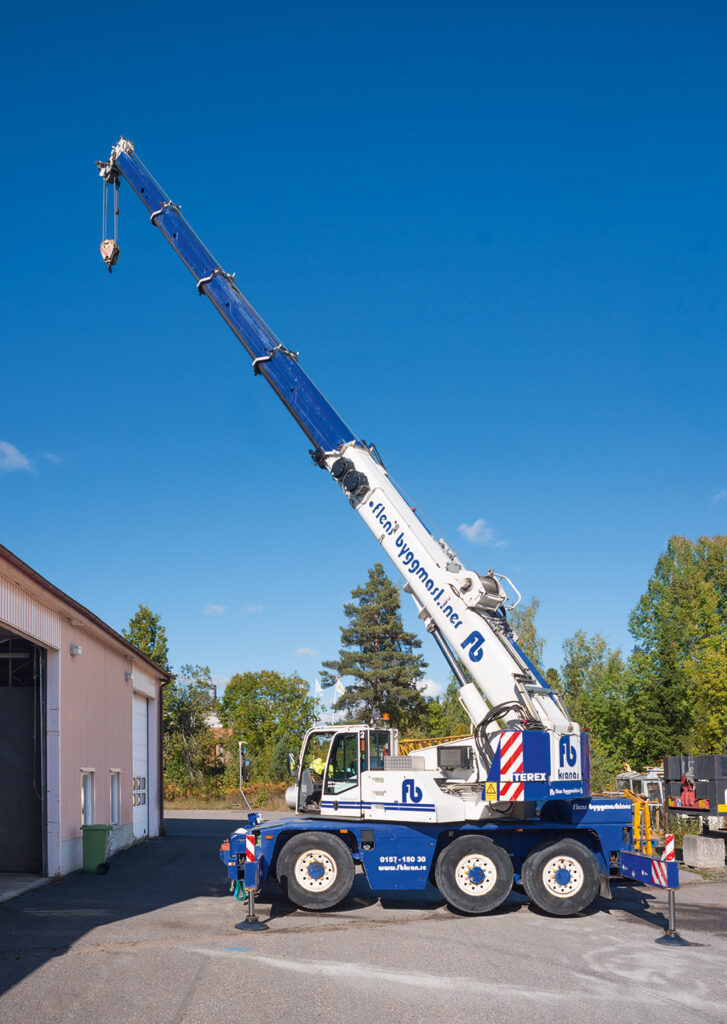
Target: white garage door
{"type": "Point", "coordinates": [140, 766]}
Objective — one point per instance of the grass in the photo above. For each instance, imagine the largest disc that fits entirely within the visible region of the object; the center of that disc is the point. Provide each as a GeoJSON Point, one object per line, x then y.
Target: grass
{"type": "Point", "coordinates": [262, 797]}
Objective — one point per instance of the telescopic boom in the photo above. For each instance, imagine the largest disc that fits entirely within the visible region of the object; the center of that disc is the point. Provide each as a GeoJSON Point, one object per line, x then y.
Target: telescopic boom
{"type": "Point", "coordinates": [463, 610]}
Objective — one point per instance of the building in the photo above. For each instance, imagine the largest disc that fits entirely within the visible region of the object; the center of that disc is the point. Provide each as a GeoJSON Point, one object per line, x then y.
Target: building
{"type": "Point", "coordinates": [80, 728]}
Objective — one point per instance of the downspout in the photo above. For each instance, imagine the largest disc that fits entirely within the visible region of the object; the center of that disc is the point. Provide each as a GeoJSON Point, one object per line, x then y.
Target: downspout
{"type": "Point", "coordinates": [160, 757]}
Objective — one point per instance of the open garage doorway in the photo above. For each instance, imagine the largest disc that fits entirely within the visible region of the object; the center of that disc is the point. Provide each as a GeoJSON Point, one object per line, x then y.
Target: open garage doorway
{"type": "Point", "coordinates": [22, 754]}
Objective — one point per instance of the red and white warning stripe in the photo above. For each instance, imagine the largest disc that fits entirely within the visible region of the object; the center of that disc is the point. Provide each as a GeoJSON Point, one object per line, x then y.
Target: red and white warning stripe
{"type": "Point", "coordinates": [511, 756]}
{"type": "Point", "coordinates": [658, 873]}
{"type": "Point", "coordinates": [250, 847]}
{"type": "Point", "coordinates": [668, 848]}
{"type": "Point", "coordinates": [512, 791]}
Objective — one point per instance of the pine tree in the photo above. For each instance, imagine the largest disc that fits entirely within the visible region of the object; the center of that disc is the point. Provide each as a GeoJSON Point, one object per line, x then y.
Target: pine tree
{"type": "Point", "coordinates": [377, 653]}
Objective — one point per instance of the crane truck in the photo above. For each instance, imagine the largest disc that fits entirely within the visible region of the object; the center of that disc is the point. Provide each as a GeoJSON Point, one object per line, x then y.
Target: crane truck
{"type": "Point", "coordinates": [512, 802]}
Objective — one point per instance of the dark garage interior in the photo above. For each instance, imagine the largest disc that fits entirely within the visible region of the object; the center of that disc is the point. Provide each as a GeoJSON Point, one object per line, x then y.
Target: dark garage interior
{"type": "Point", "coordinates": [22, 754]}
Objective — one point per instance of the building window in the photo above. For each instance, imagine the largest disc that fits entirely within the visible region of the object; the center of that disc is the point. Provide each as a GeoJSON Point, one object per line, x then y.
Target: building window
{"type": "Point", "coordinates": [87, 798]}
{"type": "Point", "coordinates": [114, 798]}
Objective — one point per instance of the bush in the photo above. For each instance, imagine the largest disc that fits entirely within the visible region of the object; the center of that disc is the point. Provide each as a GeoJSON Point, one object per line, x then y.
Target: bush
{"type": "Point", "coordinates": [261, 795]}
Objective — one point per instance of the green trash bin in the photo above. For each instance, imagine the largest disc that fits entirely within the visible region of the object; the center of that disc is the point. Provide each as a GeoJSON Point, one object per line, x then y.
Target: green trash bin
{"type": "Point", "coordinates": [95, 846]}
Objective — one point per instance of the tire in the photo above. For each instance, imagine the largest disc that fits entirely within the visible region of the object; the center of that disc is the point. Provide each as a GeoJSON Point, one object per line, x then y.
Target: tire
{"type": "Point", "coordinates": [474, 874]}
{"type": "Point", "coordinates": [561, 878]}
{"type": "Point", "coordinates": [315, 870]}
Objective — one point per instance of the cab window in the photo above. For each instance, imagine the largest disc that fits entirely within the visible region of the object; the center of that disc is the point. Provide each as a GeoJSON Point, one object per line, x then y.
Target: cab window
{"type": "Point", "coordinates": [342, 764]}
{"type": "Point", "coordinates": [378, 749]}
{"type": "Point", "coordinates": [316, 755]}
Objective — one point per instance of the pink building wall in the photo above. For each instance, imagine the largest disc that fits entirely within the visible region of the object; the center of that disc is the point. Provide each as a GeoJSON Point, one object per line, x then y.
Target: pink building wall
{"type": "Point", "coordinates": [89, 710]}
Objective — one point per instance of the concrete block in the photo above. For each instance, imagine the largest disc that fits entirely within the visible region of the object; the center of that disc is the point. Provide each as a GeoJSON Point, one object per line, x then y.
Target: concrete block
{"type": "Point", "coordinates": [703, 852]}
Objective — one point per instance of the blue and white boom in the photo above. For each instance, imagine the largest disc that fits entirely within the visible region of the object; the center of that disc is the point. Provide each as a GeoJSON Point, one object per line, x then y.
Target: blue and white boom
{"type": "Point", "coordinates": [509, 804]}
{"type": "Point", "coordinates": [463, 610]}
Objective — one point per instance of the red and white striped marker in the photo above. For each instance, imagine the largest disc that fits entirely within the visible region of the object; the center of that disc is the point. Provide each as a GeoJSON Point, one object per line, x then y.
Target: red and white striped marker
{"type": "Point", "coordinates": [511, 761]}
{"type": "Point", "coordinates": [250, 847]}
{"type": "Point", "coordinates": [511, 755]}
{"type": "Point", "coordinates": [658, 873]}
{"type": "Point", "coordinates": [668, 848]}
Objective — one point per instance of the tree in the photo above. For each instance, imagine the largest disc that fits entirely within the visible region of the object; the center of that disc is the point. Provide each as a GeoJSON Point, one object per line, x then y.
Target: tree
{"type": "Point", "coordinates": [262, 709]}
{"type": "Point", "coordinates": [378, 654]}
{"type": "Point", "coordinates": [279, 763]}
{"type": "Point", "coordinates": [445, 714]}
{"type": "Point", "coordinates": [188, 741]}
{"type": "Point", "coordinates": [597, 687]}
{"type": "Point", "coordinates": [148, 634]}
{"type": "Point", "coordinates": [522, 621]}
{"type": "Point", "coordinates": [680, 658]}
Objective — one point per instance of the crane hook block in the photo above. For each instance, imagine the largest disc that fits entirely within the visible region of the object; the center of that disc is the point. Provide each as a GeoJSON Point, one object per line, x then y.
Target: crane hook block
{"type": "Point", "coordinates": [110, 252]}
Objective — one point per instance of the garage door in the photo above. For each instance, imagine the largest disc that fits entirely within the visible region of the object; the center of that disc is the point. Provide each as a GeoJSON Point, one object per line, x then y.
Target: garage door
{"type": "Point", "coordinates": [22, 736]}
{"type": "Point", "coordinates": [140, 767]}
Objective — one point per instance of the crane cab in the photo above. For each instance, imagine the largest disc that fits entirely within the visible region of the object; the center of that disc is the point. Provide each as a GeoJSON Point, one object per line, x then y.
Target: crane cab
{"type": "Point", "coordinates": [331, 765]}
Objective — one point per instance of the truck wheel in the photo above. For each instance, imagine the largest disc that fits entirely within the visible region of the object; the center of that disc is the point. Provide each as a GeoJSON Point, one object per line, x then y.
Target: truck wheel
{"type": "Point", "coordinates": [315, 870]}
{"type": "Point", "coordinates": [474, 874]}
{"type": "Point", "coordinates": [561, 878]}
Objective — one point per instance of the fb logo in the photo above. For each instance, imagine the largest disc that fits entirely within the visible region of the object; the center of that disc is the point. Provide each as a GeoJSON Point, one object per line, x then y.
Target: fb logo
{"type": "Point", "coordinates": [568, 753]}
{"type": "Point", "coordinates": [410, 792]}
{"type": "Point", "coordinates": [477, 641]}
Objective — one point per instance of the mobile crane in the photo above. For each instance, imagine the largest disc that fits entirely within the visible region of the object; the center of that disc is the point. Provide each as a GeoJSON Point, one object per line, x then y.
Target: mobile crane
{"type": "Point", "coordinates": [512, 802]}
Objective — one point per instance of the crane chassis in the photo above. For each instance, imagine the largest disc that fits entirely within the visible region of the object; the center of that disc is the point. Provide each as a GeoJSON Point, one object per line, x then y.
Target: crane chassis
{"type": "Point", "coordinates": [510, 804]}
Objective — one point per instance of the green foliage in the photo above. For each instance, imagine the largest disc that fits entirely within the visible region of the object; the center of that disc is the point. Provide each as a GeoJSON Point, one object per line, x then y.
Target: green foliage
{"type": "Point", "coordinates": [680, 825]}
{"type": "Point", "coordinates": [263, 709]}
{"type": "Point", "coordinates": [188, 700]}
{"type": "Point", "coordinates": [148, 634]}
{"type": "Point", "coordinates": [605, 766]}
{"type": "Point", "coordinates": [552, 678]}
{"type": "Point", "coordinates": [597, 688]}
{"type": "Point", "coordinates": [189, 745]}
{"type": "Point", "coordinates": [279, 763]}
{"type": "Point", "coordinates": [522, 621]}
{"type": "Point", "coordinates": [680, 659]}
{"type": "Point", "coordinates": [377, 653]}
{"type": "Point", "coordinates": [445, 716]}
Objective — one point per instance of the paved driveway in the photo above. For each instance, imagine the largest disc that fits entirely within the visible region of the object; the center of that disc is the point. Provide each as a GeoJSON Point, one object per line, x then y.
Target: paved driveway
{"type": "Point", "coordinates": [155, 941]}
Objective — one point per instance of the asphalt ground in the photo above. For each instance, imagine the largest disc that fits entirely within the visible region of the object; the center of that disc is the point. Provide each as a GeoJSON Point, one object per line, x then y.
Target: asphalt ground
{"type": "Point", "coordinates": [155, 941]}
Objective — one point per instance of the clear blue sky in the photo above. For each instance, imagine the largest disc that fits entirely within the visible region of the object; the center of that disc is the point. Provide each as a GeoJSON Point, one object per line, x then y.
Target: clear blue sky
{"type": "Point", "coordinates": [496, 234]}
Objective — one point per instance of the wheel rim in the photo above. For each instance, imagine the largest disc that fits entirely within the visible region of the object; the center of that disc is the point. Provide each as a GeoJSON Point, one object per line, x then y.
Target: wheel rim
{"type": "Point", "coordinates": [563, 877]}
{"type": "Point", "coordinates": [475, 874]}
{"type": "Point", "coordinates": [315, 871]}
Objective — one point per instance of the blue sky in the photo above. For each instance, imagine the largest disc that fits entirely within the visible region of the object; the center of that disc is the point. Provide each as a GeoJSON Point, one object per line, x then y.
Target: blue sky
{"type": "Point", "coordinates": [496, 235]}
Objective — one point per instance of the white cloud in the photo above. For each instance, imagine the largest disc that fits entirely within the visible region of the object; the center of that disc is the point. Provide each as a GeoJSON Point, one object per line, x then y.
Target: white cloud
{"type": "Point", "coordinates": [253, 608]}
{"type": "Point", "coordinates": [480, 533]}
{"type": "Point", "coordinates": [720, 495]}
{"type": "Point", "coordinates": [11, 459]}
{"type": "Point", "coordinates": [55, 459]}
{"type": "Point", "coordinates": [431, 689]}
{"type": "Point", "coordinates": [307, 651]}
{"type": "Point", "coordinates": [214, 609]}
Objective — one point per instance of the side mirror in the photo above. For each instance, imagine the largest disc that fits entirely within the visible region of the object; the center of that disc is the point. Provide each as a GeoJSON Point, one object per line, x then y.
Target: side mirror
{"type": "Point", "coordinates": [291, 764]}
{"type": "Point", "coordinates": [245, 771]}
